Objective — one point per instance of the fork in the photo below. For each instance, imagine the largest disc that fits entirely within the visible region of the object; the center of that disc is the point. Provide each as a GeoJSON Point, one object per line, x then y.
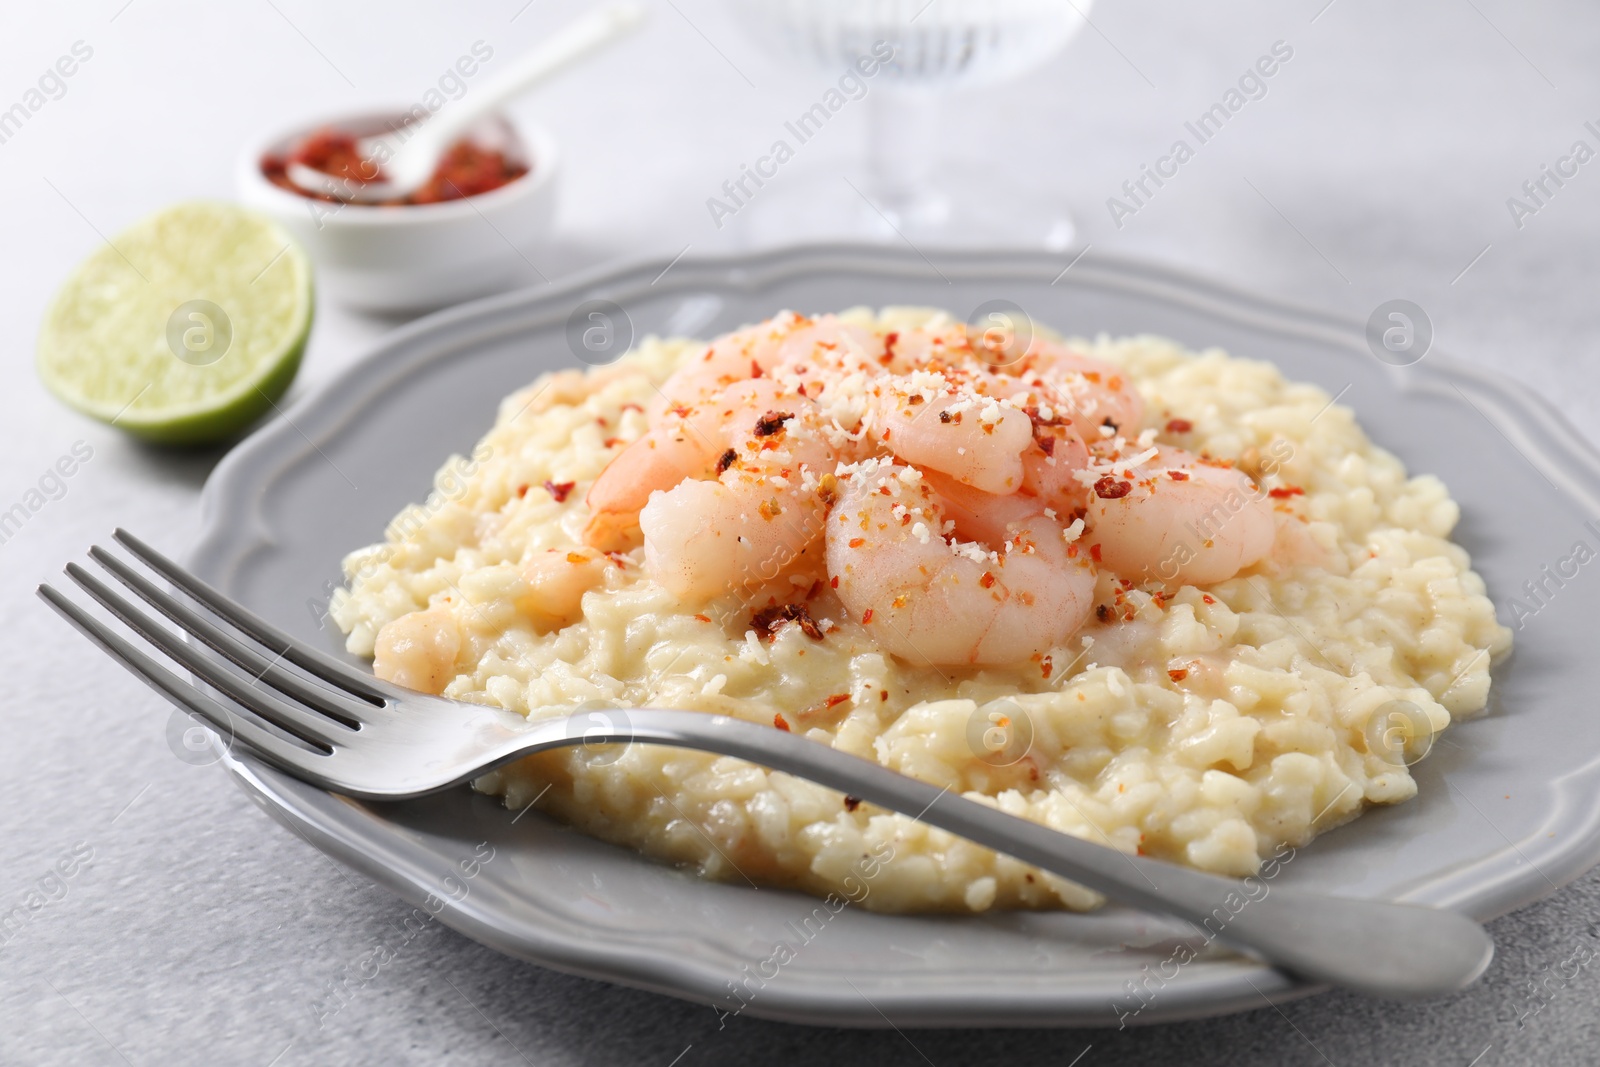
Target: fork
{"type": "Point", "coordinates": [323, 721]}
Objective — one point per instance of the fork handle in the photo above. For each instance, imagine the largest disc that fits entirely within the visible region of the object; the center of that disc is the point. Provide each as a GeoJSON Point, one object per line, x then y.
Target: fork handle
{"type": "Point", "coordinates": [1386, 949]}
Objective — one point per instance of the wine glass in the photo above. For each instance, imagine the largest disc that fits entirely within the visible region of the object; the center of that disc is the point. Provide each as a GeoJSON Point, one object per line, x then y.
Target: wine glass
{"type": "Point", "coordinates": [922, 181]}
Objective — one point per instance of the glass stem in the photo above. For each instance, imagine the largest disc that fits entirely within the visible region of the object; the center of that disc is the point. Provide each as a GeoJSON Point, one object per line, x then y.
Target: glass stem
{"type": "Point", "coordinates": [902, 128]}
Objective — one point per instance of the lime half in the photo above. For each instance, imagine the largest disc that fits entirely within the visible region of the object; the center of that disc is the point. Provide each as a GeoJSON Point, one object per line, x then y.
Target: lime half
{"type": "Point", "coordinates": [183, 329]}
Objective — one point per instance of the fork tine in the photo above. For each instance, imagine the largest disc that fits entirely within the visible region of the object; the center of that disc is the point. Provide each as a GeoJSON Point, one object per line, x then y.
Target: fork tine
{"type": "Point", "coordinates": [292, 758]}
{"type": "Point", "coordinates": [348, 711]}
{"type": "Point", "coordinates": [308, 659]}
{"type": "Point", "coordinates": [308, 726]}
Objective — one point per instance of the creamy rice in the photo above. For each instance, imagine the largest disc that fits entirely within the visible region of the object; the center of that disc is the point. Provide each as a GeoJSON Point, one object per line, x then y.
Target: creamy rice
{"type": "Point", "coordinates": [1208, 727]}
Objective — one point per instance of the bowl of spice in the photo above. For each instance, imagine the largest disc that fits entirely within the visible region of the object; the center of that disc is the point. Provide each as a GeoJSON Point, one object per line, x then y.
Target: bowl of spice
{"type": "Point", "coordinates": [465, 232]}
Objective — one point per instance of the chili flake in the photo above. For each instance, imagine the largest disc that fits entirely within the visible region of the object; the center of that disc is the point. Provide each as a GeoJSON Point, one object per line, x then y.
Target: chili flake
{"type": "Point", "coordinates": [1110, 488]}
{"type": "Point", "coordinates": [770, 619]}
{"type": "Point", "coordinates": [559, 490]}
{"type": "Point", "coordinates": [772, 422]}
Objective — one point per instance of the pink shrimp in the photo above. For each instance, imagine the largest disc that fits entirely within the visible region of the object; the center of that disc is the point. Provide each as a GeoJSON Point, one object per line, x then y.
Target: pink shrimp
{"type": "Point", "coordinates": [1018, 594]}
{"type": "Point", "coordinates": [1176, 518]}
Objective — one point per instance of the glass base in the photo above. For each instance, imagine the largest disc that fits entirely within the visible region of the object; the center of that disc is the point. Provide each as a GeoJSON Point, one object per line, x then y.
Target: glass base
{"type": "Point", "coordinates": [964, 211]}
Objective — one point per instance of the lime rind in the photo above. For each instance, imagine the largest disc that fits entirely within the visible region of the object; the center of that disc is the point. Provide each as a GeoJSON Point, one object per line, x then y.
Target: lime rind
{"type": "Point", "coordinates": [117, 342]}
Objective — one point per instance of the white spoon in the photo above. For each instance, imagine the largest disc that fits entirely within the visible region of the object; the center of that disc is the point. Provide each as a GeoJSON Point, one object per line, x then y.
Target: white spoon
{"type": "Point", "coordinates": [408, 157]}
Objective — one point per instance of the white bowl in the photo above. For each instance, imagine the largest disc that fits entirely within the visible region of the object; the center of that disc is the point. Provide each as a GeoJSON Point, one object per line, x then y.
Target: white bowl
{"type": "Point", "coordinates": [413, 257]}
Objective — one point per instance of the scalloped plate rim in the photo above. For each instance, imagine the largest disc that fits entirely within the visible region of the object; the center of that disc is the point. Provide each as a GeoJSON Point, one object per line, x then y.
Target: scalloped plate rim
{"type": "Point", "coordinates": [1567, 842]}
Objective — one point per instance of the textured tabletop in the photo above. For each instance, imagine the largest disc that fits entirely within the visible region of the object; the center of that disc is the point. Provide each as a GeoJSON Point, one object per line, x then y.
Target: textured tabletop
{"type": "Point", "coordinates": [1381, 163]}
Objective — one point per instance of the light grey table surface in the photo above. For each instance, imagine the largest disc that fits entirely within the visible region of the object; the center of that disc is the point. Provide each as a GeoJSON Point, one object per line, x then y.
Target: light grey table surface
{"type": "Point", "coordinates": [1378, 166]}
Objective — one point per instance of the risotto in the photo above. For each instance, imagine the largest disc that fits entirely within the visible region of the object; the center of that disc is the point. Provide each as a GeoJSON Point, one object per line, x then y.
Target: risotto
{"type": "Point", "coordinates": [1159, 599]}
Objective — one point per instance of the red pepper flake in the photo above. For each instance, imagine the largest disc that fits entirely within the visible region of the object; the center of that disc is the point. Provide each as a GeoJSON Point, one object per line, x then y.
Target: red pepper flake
{"type": "Point", "coordinates": [1178, 674]}
{"type": "Point", "coordinates": [833, 583]}
{"type": "Point", "coordinates": [1110, 488]}
{"type": "Point", "coordinates": [1179, 426]}
{"type": "Point", "coordinates": [987, 580]}
{"type": "Point", "coordinates": [866, 616]}
{"type": "Point", "coordinates": [1046, 665]}
{"type": "Point", "coordinates": [780, 722]}
{"type": "Point", "coordinates": [755, 369]}
{"type": "Point", "coordinates": [1094, 552]}
{"type": "Point", "coordinates": [727, 459]}
{"type": "Point", "coordinates": [1178, 476]}
{"type": "Point", "coordinates": [851, 803]}
{"type": "Point", "coordinates": [522, 490]}
{"type": "Point", "coordinates": [945, 416]}
{"type": "Point", "coordinates": [1102, 612]}
{"type": "Point", "coordinates": [835, 700]}
{"type": "Point", "coordinates": [559, 490]}
{"type": "Point", "coordinates": [578, 557]}
{"type": "Point", "coordinates": [1047, 445]}
{"type": "Point", "coordinates": [855, 542]}
{"type": "Point", "coordinates": [703, 618]}
{"type": "Point", "coordinates": [769, 620]}
{"type": "Point", "coordinates": [888, 345]}
{"type": "Point", "coordinates": [1072, 550]}
{"type": "Point", "coordinates": [772, 422]}
{"type": "Point", "coordinates": [1285, 492]}
{"type": "Point", "coordinates": [612, 442]}
{"type": "Point", "coordinates": [883, 694]}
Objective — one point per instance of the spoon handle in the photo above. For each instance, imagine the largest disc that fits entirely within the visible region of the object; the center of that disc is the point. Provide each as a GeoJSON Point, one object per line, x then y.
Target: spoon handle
{"type": "Point", "coordinates": [573, 42]}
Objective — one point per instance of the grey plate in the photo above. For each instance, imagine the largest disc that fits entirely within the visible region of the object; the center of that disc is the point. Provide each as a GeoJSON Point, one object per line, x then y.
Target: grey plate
{"type": "Point", "coordinates": [1509, 806]}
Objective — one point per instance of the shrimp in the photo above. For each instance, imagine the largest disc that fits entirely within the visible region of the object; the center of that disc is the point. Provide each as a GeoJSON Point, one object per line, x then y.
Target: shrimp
{"type": "Point", "coordinates": [418, 650]}
{"type": "Point", "coordinates": [1093, 393]}
{"type": "Point", "coordinates": [1050, 467]}
{"type": "Point", "coordinates": [682, 446]}
{"type": "Point", "coordinates": [962, 603]}
{"type": "Point", "coordinates": [729, 359]}
{"type": "Point", "coordinates": [974, 515]}
{"type": "Point", "coordinates": [556, 580]}
{"type": "Point", "coordinates": [787, 346]}
{"type": "Point", "coordinates": [977, 440]}
{"type": "Point", "coordinates": [763, 513]}
{"type": "Point", "coordinates": [1176, 518]}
